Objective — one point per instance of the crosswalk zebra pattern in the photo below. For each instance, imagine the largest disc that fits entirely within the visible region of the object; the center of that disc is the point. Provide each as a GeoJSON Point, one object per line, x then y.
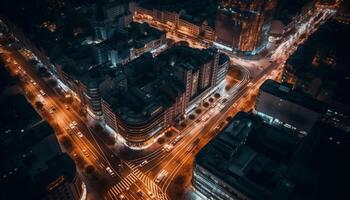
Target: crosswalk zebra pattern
{"type": "Point", "coordinates": [125, 183]}
{"type": "Point", "coordinates": [135, 175]}
{"type": "Point", "coordinates": [151, 186]}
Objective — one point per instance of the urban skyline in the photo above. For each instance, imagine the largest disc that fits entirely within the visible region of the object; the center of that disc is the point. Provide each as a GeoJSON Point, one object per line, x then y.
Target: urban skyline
{"type": "Point", "coordinates": [169, 100]}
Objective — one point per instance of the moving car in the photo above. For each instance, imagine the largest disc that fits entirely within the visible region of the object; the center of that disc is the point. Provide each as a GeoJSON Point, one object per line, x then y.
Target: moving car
{"type": "Point", "coordinates": [176, 140]}
{"type": "Point", "coordinates": [143, 163]}
{"type": "Point", "coordinates": [161, 176]}
{"type": "Point", "coordinates": [168, 147]}
{"type": "Point", "coordinates": [42, 92]}
{"type": "Point", "coordinates": [80, 134]}
{"type": "Point", "coordinates": [110, 171]}
{"type": "Point", "coordinates": [85, 152]}
{"type": "Point", "coordinates": [71, 126]}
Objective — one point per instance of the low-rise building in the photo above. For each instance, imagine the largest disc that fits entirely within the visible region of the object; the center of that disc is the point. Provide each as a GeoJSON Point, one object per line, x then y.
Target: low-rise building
{"type": "Point", "coordinates": [192, 18]}
{"type": "Point", "coordinates": [129, 43]}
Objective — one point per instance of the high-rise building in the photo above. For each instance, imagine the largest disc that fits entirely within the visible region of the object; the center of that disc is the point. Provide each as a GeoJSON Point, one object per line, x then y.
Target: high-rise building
{"type": "Point", "coordinates": [243, 26]}
{"type": "Point", "coordinates": [250, 159]}
{"type": "Point", "coordinates": [151, 102]}
{"type": "Point", "coordinates": [280, 105]}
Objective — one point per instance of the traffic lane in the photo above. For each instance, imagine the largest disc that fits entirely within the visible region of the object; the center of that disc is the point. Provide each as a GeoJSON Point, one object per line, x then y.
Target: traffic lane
{"type": "Point", "coordinates": [52, 95]}
{"type": "Point", "coordinates": [34, 90]}
{"type": "Point", "coordinates": [178, 150]}
{"type": "Point", "coordinates": [208, 128]}
{"type": "Point", "coordinates": [159, 152]}
{"type": "Point", "coordinates": [78, 144]}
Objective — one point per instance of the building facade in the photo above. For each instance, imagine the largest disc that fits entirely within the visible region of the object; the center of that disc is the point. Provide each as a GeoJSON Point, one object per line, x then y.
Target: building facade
{"type": "Point", "coordinates": [186, 75]}
{"type": "Point", "coordinates": [173, 20]}
{"type": "Point", "coordinates": [279, 104]}
{"type": "Point", "coordinates": [33, 163]}
{"type": "Point", "coordinates": [253, 160]}
{"type": "Point", "coordinates": [243, 26]}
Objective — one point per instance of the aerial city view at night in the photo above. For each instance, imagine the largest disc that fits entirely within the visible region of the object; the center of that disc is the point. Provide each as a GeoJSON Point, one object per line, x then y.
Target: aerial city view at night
{"type": "Point", "coordinates": [174, 99]}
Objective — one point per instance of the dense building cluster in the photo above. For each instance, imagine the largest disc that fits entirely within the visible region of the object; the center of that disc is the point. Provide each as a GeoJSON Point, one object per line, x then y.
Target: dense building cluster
{"type": "Point", "coordinates": [244, 25]}
{"type": "Point", "coordinates": [145, 96]}
{"type": "Point", "coordinates": [193, 18]}
{"type": "Point", "coordinates": [250, 159]}
{"type": "Point", "coordinates": [150, 102]}
{"type": "Point", "coordinates": [319, 69]}
{"type": "Point", "coordinates": [31, 157]}
{"type": "Point", "coordinates": [92, 51]}
{"type": "Point", "coordinates": [251, 95]}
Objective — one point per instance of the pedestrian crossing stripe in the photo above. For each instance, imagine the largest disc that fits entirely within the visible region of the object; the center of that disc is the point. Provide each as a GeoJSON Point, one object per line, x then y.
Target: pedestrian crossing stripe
{"type": "Point", "coordinates": [130, 179]}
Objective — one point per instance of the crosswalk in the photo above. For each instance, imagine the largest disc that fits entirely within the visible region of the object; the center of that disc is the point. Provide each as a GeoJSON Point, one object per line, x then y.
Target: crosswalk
{"type": "Point", "coordinates": [123, 184]}
{"type": "Point", "coordinates": [152, 188]}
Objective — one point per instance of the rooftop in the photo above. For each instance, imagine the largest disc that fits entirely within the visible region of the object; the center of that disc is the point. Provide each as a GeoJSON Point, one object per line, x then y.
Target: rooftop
{"type": "Point", "coordinates": [193, 11]}
{"type": "Point", "coordinates": [6, 80]}
{"type": "Point", "coordinates": [325, 60]}
{"type": "Point", "coordinates": [136, 35]}
{"type": "Point", "coordinates": [79, 60]}
{"type": "Point", "coordinates": [152, 84]}
{"type": "Point", "coordinates": [17, 115]}
{"type": "Point", "coordinates": [254, 158]}
{"type": "Point", "coordinates": [31, 157]}
{"type": "Point", "coordinates": [286, 92]}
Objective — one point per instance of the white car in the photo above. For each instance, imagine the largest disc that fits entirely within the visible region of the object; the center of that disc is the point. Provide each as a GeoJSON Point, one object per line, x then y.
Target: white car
{"type": "Point", "coordinates": [143, 163]}
{"type": "Point", "coordinates": [161, 176]}
{"type": "Point", "coordinates": [121, 196]}
{"type": "Point", "coordinates": [71, 126]}
{"type": "Point", "coordinates": [205, 117]}
{"type": "Point", "coordinates": [110, 171]}
{"type": "Point", "coordinates": [42, 92]}
{"type": "Point", "coordinates": [85, 152]}
{"type": "Point", "coordinates": [80, 134]}
{"type": "Point", "coordinates": [168, 147]}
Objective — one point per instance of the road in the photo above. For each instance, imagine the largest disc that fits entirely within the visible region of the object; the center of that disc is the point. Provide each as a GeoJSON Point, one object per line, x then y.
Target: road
{"type": "Point", "coordinates": [87, 147]}
{"type": "Point", "coordinates": [143, 177]}
{"type": "Point", "coordinates": [269, 68]}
